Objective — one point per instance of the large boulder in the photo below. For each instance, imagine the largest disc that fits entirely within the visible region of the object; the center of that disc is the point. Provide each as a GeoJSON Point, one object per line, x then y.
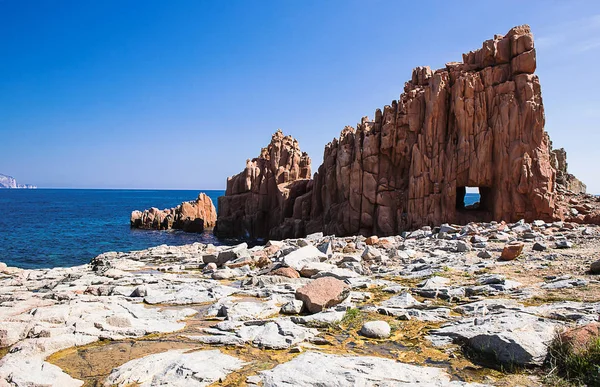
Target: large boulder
{"type": "Point", "coordinates": [322, 293]}
{"type": "Point", "coordinates": [510, 338]}
{"type": "Point", "coordinates": [581, 337]}
{"type": "Point", "coordinates": [376, 329]}
{"type": "Point", "coordinates": [286, 272]}
{"type": "Point", "coordinates": [297, 259]}
{"type": "Point", "coordinates": [595, 267]}
{"type": "Point", "coordinates": [511, 251]}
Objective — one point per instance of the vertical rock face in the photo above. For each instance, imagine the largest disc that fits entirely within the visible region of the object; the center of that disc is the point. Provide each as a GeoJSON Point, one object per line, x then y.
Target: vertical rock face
{"type": "Point", "coordinates": [565, 180]}
{"type": "Point", "coordinates": [262, 196]}
{"type": "Point", "coordinates": [193, 216]}
{"type": "Point", "coordinates": [478, 124]}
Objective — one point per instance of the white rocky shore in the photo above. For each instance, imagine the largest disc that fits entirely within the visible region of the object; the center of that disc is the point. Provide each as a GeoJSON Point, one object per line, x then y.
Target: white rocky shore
{"type": "Point", "coordinates": [436, 307]}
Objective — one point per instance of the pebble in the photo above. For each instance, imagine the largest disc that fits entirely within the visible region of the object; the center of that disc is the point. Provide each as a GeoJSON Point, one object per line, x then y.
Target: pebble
{"type": "Point", "coordinates": [563, 244]}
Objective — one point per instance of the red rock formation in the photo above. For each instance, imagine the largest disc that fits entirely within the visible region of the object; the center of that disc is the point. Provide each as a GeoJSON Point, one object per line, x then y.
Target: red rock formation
{"type": "Point", "coordinates": [479, 123]}
{"type": "Point", "coordinates": [564, 180]}
{"type": "Point", "coordinates": [259, 198]}
{"type": "Point", "coordinates": [193, 216]}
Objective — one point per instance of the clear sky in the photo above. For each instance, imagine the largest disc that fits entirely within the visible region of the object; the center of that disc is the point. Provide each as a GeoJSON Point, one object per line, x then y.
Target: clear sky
{"type": "Point", "coordinates": [178, 94]}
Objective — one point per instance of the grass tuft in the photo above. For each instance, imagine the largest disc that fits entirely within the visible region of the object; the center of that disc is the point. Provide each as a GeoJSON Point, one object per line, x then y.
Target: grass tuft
{"type": "Point", "coordinates": [351, 317]}
{"type": "Point", "coordinates": [578, 366]}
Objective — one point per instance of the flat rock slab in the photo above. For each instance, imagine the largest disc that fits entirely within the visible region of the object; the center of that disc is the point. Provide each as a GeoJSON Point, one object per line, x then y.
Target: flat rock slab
{"type": "Point", "coordinates": [297, 259]}
{"type": "Point", "coordinates": [175, 368]}
{"type": "Point", "coordinates": [580, 312]}
{"type": "Point", "coordinates": [273, 334]}
{"type": "Point", "coordinates": [321, 319]}
{"type": "Point", "coordinates": [401, 301]}
{"type": "Point", "coordinates": [244, 310]}
{"type": "Point", "coordinates": [185, 294]}
{"type": "Point", "coordinates": [509, 337]}
{"type": "Point", "coordinates": [325, 370]}
{"type": "Point", "coordinates": [34, 372]}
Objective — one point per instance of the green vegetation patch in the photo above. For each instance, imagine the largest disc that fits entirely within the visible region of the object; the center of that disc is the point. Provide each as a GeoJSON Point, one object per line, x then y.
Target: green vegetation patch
{"type": "Point", "coordinates": [576, 365]}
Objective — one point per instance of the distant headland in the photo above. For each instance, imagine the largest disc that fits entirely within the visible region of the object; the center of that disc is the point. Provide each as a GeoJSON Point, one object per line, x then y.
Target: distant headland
{"type": "Point", "coordinates": [11, 182]}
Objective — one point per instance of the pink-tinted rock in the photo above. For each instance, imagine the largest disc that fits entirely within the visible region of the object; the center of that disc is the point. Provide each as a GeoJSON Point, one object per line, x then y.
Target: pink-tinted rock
{"type": "Point", "coordinates": [260, 198]}
{"type": "Point", "coordinates": [479, 123]}
{"type": "Point", "coordinates": [581, 337]}
{"type": "Point", "coordinates": [322, 293]}
{"type": "Point", "coordinates": [193, 216]}
{"type": "Point", "coordinates": [372, 240]}
{"type": "Point", "coordinates": [511, 251]}
{"type": "Point", "coordinates": [286, 272]}
{"type": "Point", "coordinates": [565, 180]}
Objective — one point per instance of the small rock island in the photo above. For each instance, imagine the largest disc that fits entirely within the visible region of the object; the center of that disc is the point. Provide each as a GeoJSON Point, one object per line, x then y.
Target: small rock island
{"type": "Point", "coordinates": [192, 216]}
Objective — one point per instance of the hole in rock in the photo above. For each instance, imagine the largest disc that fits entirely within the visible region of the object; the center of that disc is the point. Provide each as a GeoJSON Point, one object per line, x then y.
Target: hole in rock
{"type": "Point", "coordinates": [471, 198]}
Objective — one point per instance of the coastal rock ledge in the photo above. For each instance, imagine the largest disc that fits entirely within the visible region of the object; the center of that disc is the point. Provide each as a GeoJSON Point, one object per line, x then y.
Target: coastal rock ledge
{"type": "Point", "coordinates": [192, 216]}
{"type": "Point", "coordinates": [475, 124]}
{"type": "Point", "coordinates": [436, 306]}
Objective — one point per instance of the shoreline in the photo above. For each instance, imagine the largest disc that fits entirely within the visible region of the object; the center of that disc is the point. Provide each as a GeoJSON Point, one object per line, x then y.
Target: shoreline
{"type": "Point", "coordinates": [305, 300]}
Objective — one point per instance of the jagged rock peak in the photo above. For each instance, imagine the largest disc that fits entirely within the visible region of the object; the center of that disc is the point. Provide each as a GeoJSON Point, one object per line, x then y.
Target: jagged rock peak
{"type": "Point", "coordinates": [564, 180]}
{"type": "Point", "coordinates": [474, 124]}
{"type": "Point", "coordinates": [282, 158]}
{"type": "Point", "coordinates": [479, 123]}
{"type": "Point", "coordinates": [263, 194]}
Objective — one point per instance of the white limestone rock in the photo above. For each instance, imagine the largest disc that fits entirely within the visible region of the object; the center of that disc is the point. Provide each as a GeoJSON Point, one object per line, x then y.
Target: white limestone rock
{"type": "Point", "coordinates": [319, 369]}
{"type": "Point", "coordinates": [176, 368]}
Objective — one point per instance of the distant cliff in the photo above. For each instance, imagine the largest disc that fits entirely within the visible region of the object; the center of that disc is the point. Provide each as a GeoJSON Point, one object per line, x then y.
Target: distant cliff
{"type": "Point", "coordinates": [10, 182]}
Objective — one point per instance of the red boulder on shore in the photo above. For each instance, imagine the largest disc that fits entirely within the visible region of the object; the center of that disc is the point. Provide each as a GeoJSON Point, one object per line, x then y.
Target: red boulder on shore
{"type": "Point", "coordinates": [322, 293]}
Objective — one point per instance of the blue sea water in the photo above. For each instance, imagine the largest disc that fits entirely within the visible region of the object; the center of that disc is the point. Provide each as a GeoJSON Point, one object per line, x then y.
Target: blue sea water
{"type": "Point", "coordinates": [63, 227]}
{"type": "Point", "coordinates": [67, 227]}
{"type": "Point", "coordinates": [471, 197]}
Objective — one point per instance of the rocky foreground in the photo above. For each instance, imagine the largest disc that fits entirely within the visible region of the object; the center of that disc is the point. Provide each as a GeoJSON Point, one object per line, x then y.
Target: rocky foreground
{"type": "Point", "coordinates": [452, 306]}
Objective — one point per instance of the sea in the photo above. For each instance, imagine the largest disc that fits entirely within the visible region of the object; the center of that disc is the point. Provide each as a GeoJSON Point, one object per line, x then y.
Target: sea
{"type": "Point", "coordinates": [44, 228]}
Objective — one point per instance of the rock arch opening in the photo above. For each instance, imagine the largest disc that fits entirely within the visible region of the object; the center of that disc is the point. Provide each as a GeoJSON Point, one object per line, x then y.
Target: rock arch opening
{"type": "Point", "coordinates": [473, 198]}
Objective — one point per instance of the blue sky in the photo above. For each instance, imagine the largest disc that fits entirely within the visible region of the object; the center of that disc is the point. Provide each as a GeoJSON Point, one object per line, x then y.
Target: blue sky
{"type": "Point", "coordinates": [157, 94]}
